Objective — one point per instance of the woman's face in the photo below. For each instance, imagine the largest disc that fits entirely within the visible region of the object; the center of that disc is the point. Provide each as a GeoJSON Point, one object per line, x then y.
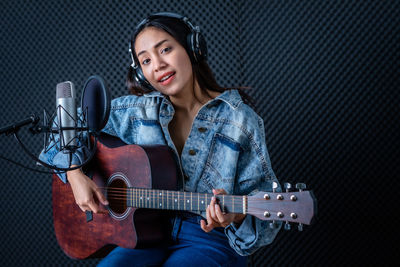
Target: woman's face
{"type": "Point", "coordinates": [164, 62]}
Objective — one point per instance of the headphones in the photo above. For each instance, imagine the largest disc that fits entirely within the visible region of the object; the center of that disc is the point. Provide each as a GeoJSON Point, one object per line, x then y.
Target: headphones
{"type": "Point", "coordinates": [196, 43]}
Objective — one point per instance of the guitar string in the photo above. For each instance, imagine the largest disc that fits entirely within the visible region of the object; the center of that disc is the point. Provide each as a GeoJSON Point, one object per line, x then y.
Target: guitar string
{"type": "Point", "coordinates": [121, 201]}
{"type": "Point", "coordinates": [158, 191]}
{"type": "Point", "coordinates": [155, 194]}
{"type": "Point", "coordinates": [120, 198]}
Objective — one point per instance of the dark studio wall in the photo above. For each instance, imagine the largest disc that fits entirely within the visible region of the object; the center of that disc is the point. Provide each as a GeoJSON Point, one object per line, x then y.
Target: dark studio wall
{"type": "Point", "coordinates": [324, 77]}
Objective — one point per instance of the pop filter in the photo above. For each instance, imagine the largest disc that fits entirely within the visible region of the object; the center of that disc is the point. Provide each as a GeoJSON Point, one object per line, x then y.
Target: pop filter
{"type": "Point", "coordinates": [96, 103]}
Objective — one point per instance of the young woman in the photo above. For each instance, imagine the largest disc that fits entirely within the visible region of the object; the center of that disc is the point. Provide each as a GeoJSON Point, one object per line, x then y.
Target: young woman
{"type": "Point", "coordinates": [218, 140]}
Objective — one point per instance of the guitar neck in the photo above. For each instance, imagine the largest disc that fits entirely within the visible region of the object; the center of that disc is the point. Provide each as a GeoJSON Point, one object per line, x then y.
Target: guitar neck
{"type": "Point", "coordinates": [185, 201]}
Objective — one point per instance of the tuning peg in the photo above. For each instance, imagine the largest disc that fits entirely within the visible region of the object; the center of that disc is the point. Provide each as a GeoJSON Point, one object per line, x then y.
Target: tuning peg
{"type": "Point", "coordinates": [287, 186]}
{"type": "Point", "coordinates": [273, 225]}
{"type": "Point", "coordinates": [301, 186]}
{"type": "Point", "coordinates": [274, 186]}
{"type": "Point", "coordinates": [287, 226]}
{"type": "Point", "coordinates": [300, 227]}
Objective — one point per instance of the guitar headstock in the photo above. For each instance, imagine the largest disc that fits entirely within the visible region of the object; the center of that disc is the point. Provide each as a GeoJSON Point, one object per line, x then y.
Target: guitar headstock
{"type": "Point", "coordinates": [297, 207]}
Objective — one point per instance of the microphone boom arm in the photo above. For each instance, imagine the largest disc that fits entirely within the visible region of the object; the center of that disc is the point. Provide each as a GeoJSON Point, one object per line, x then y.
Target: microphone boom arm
{"type": "Point", "coordinates": [12, 128]}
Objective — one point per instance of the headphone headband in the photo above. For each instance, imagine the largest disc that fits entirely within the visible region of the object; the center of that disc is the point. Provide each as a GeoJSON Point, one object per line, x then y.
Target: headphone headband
{"type": "Point", "coordinates": [176, 16]}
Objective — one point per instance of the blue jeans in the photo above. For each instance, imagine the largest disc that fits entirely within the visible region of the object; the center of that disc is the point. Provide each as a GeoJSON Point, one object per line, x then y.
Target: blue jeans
{"type": "Point", "coordinates": [191, 246]}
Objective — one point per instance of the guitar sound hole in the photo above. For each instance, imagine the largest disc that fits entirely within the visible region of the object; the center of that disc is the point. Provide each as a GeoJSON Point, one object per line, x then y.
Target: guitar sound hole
{"type": "Point", "coordinates": [116, 195]}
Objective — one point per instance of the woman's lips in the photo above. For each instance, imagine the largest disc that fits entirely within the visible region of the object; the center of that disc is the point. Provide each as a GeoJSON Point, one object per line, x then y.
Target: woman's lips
{"type": "Point", "coordinates": [169, 80]}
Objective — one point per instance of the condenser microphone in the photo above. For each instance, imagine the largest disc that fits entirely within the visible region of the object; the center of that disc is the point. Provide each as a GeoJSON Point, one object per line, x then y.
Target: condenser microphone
{"type": "Point", "coordinates": [70, 128]}
{"type": "Point", "coordinates": [66, 114]}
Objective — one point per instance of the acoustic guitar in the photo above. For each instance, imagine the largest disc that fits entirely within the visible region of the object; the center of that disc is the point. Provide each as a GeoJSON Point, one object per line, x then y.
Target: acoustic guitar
{"type": "Point", "coordinates": [140, 184]}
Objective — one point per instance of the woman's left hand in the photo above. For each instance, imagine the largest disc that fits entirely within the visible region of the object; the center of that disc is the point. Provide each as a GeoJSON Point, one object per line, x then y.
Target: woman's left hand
{"type": "Point", "coordinates": [217, 218]}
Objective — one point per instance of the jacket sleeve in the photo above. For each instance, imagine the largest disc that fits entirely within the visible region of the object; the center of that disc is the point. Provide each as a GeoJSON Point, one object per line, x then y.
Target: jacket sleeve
{"type": "Point", "coordinates": [254, 173]}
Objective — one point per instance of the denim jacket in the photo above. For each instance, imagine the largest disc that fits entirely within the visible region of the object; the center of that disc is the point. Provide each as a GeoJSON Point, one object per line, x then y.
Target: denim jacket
{"type": "Point", "coordinates": [225, 149]}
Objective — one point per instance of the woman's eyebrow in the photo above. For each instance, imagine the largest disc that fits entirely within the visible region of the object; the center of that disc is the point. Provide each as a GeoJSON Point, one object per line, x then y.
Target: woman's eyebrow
{"type": "Point", "coordinates": [157, 45]}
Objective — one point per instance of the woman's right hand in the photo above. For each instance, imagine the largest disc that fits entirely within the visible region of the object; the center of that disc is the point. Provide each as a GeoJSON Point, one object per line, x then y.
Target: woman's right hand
{"type": "Point", "coordinates": [87, 194]}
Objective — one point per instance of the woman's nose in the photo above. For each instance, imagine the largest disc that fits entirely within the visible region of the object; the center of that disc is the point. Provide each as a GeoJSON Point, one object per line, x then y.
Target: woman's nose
{"type": "Point", "coordinates": [159, 64]}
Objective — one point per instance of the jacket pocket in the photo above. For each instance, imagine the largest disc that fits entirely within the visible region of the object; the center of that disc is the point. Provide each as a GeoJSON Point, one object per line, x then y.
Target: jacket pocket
{"type": "Point", "coordinates": [148, 132]}
{"type": "Point", "coordinates": [220, 169]}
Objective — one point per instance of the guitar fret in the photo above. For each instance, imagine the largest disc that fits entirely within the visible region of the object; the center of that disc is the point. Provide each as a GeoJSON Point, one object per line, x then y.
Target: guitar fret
{"type": "Point", "coordinates": [143, 198]}
{"type": "Point", "coordinates": [244, 205]}
{"type": "Point", "coordinates": [162, 198]}
{"type": "Point", "coordinates": [159, 196]}
{"type": "Point", "coordinates": [160, 202]}
{"type": "Point", "coordinates": [233, 204]}
{"type": "Point", "coordinates": [223, 203]}
{"type": "Point", "coordinates": [169, 198]}
{"type": "Point", "coordinates": [176, 203]}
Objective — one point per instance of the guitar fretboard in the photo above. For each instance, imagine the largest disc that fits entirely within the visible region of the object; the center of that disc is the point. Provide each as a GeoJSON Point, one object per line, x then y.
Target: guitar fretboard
{"type": "Point", "coordinates": [188, 201]}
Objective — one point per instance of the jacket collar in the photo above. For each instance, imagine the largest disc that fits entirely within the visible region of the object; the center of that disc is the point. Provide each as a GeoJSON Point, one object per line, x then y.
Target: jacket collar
{"type": "Point", "coordinates": [153, 94]}
{"type": "Point", "coordinates": [231, 97]}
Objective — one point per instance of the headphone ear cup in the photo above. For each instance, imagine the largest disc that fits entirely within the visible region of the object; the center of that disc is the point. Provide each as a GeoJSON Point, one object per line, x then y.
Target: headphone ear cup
{"type": "Point", "coordinates": [202, 46]}
{"type": "Point", "coordinates": [198, 46]}
{"type": "Point", "coordinates": [139, 77]}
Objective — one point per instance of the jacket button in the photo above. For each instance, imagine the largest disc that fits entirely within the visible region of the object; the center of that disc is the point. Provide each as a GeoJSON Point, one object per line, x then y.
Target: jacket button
{"type": "Point", "coordinates": [202, 129]}
{"type": "Point", "coordinates": [186, 177]}
{"type": "Point", "coordinates": [192, 152]}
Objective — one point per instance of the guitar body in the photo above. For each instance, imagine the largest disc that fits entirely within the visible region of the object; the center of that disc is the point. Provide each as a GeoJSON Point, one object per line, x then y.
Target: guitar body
{"type": "Point", "coordinates": [115, 165]}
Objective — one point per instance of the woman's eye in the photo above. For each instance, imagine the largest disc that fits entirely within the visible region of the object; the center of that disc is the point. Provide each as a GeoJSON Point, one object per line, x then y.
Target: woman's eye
{"type": "Point", "coordinates": [165, 50]}
{"type": "Point", "coordinates": [146, 61]}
